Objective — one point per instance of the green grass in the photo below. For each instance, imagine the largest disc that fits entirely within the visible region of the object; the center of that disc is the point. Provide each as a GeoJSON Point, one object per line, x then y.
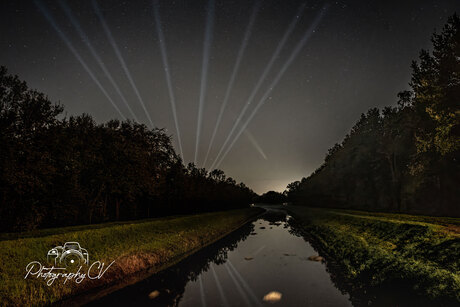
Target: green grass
{"type": "Point", "coordinates": [378, 249]}
{"type": "Point", "coordinates": [135, 246]}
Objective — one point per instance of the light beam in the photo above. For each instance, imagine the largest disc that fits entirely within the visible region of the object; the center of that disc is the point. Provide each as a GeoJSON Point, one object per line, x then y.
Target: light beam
{"type": "Point", "coordinates": [120, 58]}
{"type": "Point", "coordinates": [291, 58]}
{"type": "Point", "coordinates": [98, 59]}
{"type": "Point", "coordinates": [258, 251]}
{"type": "Point", "coordinates": [204, 72]}
{"type": "Point", "coordinates": [172, 99]}
{"type": "Point", "coordinates": [238, 286]}
{"type": "Point", "coordinates": [275, 55]}
{"type": "Point", "coordinates": [203, 298]}
{"type": "Point", "coordinates": [254, 142]}
{"type": "Point", "coordinates": [69, 45]}
{"type": "Point", "coordinates": [245, 284]}
{"type": "Point", "coordinates": [219, 287]}
{"type": "Point", "coordinates": [243, 46]}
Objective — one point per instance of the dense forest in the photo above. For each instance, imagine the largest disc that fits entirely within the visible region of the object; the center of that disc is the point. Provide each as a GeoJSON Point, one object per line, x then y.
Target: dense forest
{"type": "Point", "coordinates": [57, 170]}
{"type": "Point", "coordinates": [402, 158]}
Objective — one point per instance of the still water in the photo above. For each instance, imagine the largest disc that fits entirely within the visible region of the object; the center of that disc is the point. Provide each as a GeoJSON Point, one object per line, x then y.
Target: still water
{"type": "Point", "coordinates": [262, 263]}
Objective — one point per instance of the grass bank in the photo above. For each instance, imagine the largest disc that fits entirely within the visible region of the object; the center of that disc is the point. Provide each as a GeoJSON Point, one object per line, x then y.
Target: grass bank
{"type": "Point", "coordinates": [375, 250]}
{"type": "Point", "coordinates": [135, 246]}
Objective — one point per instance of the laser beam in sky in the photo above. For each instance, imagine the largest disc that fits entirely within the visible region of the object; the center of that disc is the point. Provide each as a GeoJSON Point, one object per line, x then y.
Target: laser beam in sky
{"type": "Point", "coordinates": [98, 59]}
{"type": "Point", "coordinates": [108, 32]}
{"type": "Point", "coordinates": [204, 71]}
{"type": "Point", "coordinates": [243, 46]}
{"type": "Point", "coordinates": [72, 49]}
{"type": "Point", "coordinates": [254, 142]}
{"type": "Point", "coordinates": [262, 78]}
{"type": "Point", "coordinates": [275, 81]}
{"type": "Point", "coordinates": [164, 56]}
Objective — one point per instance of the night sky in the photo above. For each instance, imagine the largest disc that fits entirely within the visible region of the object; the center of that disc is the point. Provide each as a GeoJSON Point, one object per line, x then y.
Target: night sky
{"type": "Point", "coordinates": [356, 55]}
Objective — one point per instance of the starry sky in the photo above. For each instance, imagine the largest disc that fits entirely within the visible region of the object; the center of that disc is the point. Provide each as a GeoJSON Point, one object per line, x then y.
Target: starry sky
{"type": "Point", "coordinates": [294, 76]}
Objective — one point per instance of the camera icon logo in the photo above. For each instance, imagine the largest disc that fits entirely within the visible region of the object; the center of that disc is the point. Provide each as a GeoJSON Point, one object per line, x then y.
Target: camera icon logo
{"type": "Point", "coordinates": [70, 254]}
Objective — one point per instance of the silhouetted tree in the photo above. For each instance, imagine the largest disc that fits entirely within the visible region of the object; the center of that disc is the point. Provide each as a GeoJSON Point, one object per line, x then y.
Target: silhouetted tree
{"type": "Point", "coordinates": [65, 171]}
{"type": "Point", "coordinates": [404, 158]}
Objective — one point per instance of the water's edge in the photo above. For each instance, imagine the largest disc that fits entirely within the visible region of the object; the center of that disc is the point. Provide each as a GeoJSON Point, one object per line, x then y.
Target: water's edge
{"type": "Point", "coordinates": [280, 265]}
{"type": "Point", "coordinates": [94, 294]}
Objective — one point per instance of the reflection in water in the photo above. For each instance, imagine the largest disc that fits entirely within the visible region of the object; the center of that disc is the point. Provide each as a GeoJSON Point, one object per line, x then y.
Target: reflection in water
{"type": "Point", "coordinates": [263, 263]}
{"type": "Point", "coordinates": [170, 283]}
{"type": "Point", "coordinates": [221, 274]}
{"type": "Point", "coordinates": [360, 291]}
{"type": "Point", "coordinates": [273, 297]}
{"type": "Point", "coordinates": [219, 287]}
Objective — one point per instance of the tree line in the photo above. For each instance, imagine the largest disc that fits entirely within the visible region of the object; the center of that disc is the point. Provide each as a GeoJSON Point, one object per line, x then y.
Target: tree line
{"type": "Point", "coordinates": [271, 197]}
{"type": "Point", "coordinates": [57, 170]}
{"type": "Point", "coordinates": [403, 158]}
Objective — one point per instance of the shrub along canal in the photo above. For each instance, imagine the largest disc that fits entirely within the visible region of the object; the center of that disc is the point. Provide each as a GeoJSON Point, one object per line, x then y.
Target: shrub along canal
{"type": "Point", "coordinates": [263, 262]}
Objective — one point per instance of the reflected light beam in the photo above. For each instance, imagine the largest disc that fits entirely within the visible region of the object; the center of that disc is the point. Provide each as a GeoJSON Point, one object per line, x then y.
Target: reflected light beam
{"type": "Point", "coordinates": [245, 284]}
{"type": "Point", "coordinates": [286, 65]}
{"type": "Point", "coordinates": [262, 78]}
{"type": "Point", "coordinates": [219, 287]}
{"type": "Point", "coordinates": [204, 72]}
{"type": "Point", "coordinates": [98, 59]}
{"type": "Point", "coordinates": [203, 298]}
{"type": "Point", "coordinates": [238, 286]}
{"type": "Point", "coordinates": [258, 251]}
{"type": "Point", "coordinates": [69, 45]}
{"type": "Point", "coordinates": [120, 58]}
{"type": "Point", "coordinates": [172, 99]}
{"type": "Point", "coordinates": [243, 46]}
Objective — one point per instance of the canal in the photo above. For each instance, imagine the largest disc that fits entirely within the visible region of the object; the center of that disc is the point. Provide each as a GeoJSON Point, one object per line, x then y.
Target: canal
{"type": "Point", "coordinates": [264, 262]}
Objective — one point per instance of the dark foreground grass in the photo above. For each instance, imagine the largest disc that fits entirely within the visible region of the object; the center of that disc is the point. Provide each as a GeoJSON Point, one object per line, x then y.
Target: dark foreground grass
{"type": "Point", "coordinates": [376, 250]}
{"type": "Point", "coordinates": [135, 246]}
